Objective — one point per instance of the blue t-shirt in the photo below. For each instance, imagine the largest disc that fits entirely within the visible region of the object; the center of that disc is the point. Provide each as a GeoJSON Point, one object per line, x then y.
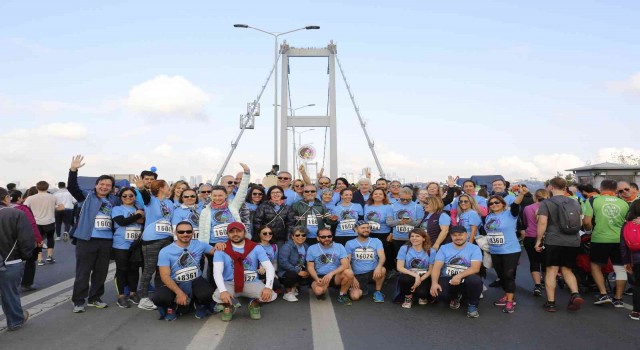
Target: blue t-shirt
{"type": "Point", "coordinates": [468, 219]}
{"type": "Point", "coordinates": [413, 210]}
{"type": "Point", "coordinates": [326, 259]}
{"type": "Point", "coordinates": [251, 263]}
{"type": "Point", "coordinates": [377, 215]}
{"type": "Point", "coordinates": [335, 198]}
{"type": "Point", "coordinates": [251, 206]}
{"type": "Point", "coordinates": [272, 252]}
{"type": "Point", "coordinates": [158, 219]}
{"type": "Point", "coordinates": [125, 235]}
{"type": "Point", "coordinates": [183, 213]}
{"type": "Point", "coordinates": [220, 219]}
{"type": "Point", "coordinates": [457, 260]}
{"type": "Point", "coordinates": [416, 260]}
{"type": "Point", "coordinates": [364, 256]}
{"type": "Point", "coordinates": [184, 262]}
{"type": "Point", "coordinates": [347, 217]}
{"type": "Point", "coordinates": [509, 199]}
{"type": "Point", "coordinates": [392, 200]}
{"type": "Point", "coordinates": [102, 227]}
{"type": "Point", "coordinates": [292, 197]}
{"type": "Point", "coordinates": [501, 233]}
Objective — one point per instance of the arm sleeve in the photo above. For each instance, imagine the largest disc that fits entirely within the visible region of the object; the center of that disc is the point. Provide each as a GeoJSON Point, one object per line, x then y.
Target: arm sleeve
{"type": "Point", "coordinates": [146, 196]}
{"type": "Point", "coordinates": [218, 267]}
{"type": "Point", "coordinates": [515, 210]}
{"type": "Point", "coordinates": [73, 187]}
{"type": "Point", "coordinates": [270, 273]}
{"type": "Point", "coordinates": [122, 221]}
{"type": "Point", "coordinates": [448, 198]}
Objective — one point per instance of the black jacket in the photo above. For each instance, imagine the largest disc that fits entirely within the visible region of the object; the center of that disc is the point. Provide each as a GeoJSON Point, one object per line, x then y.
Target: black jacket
{"type": "Point", "coordinates": [14, 226]}
{"type": "Point", "coordinates": [359, 198]}
{"type": "Point", "coordinates": [280, 222]}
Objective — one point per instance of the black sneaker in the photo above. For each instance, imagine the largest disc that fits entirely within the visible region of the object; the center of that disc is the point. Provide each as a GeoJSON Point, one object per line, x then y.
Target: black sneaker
{"type": "Point", "coordinates": [629, 291]}
{"type": "Point", "coordinates": [123, 302]}
{"type": "Point", "coordinates": [550, 306]}
{"type": "Point", "coordinates": [603, 299]}
{"type": "Point", "coordinates": [496, 284]}
{"type": "Point", "coordinates": [575, 302]}
{"type": "Point", "coordinates": [537, 290]}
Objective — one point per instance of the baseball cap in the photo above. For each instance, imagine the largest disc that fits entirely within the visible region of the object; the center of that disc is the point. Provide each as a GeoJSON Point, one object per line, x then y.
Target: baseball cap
{"type": "Point", "coordinates": [236, 225]}
{"type": "Point", "coordinates": [457, 229]}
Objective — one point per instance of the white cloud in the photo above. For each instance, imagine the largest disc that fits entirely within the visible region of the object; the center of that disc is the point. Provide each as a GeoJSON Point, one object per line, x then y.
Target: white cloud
{"type": "Point", "coordinates": [169, 96]}
{"type": "Point", "coordinates": [613, 154]}
{"type": "Point", "coordinates": [73, 131]}
{"type": "Point", "coordinates": [630, 85]}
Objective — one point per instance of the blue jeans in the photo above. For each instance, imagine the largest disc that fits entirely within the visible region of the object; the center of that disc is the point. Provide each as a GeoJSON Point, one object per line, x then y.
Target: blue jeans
{"type": "Point", "coordinates": [10, 294]}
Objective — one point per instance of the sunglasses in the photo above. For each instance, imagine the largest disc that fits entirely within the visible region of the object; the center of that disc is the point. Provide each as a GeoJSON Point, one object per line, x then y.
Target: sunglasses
{"type": "Point", "coordinates": [182, 232]}
{"type": "Point", "coordinates": [494, 203]}
{"type": "Point", "coordinates": [395, 186]}
{"type": "Point", "coordinates": [298, 185]}
{"type": "Point", "coordinates": [300, 235]}
{"type": "Point", "coordinates": [283, 178]}
{"type": "Point", "coordinates": [274, 192]}
{"type": "Point", "coordinates": [127, 196]}
{"type": "Point", "coordinates": [624, 190]}
{"type": "Point", "coordinates": [463, 201]}
{"type": "Point", "coordinates": [190, 196]}
{"type": "Point", "coordinates": [205, 191]}
{"type": "Point", "coordinates": [323, 183]}
{"type": "Point", "coordinates": [257, 194]}
{"type": "Point", "coordinates": [311, 191]}
{"type": "Point", "coordinates": [325, 237]}
{"type": "Point", "coordinates": [405, 199]}
{"type": "Point", "coordinates": [267, 233]}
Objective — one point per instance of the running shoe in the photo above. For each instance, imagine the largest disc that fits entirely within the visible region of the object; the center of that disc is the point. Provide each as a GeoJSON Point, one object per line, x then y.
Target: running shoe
{"type": "Point", "coordinates": [575, 302]}
{"type": "Point", "coordinates": [98, 304]}
{"type": "Point", "coordinates": [134, 299]}
{"type": "Point", "coordinates": [25, 315]}
{"type": "Point", "coordinates": [537, 290]}
{"type": "Point", "coordinates": [40, 263]}
{"type": "Point", "coordinates": [217, 308]}
{"type": "Point", "coordinates": [290, 296]}
{"type": "Point", "coordinates": [146, 304]}
{"type": "Point", "coordinates": [495, 284]}
{"type": "Point", "coordinates": [44, 245]}
{"type": "Point", "coordinates": [634, 315]}
{"type": "Point", "coordinates": [78, 308]}
{"type": "Point", "coordinates": [171, 315]}
{"type": "Point", "coordinates": [454, 304]}
{"type": "Point", "coordinates": [603, 299]}
{"type": "Point", "coordinates": [65, 237]}
{"type": "Point", "coordinates": [550, 307]}
{"type": "Point", "coordinates": [423, 301]}
{"type": "Point", "coordinates": [254, 309]}
{"type": "Point", "coordinates": [618, 303]}
{"type": "Point", "coordinates": [407, 302]}
{"type": "Point", "coordinates": [123, 302]}
{"type": "Point", "coordinates": [57, 238]}
{"type": "Point", "coordinates": [378, 297]}
{"type": "Point", "coordinates": [50, 260]}
{"type": "Point", "coordinates": [365, 291]}
{"type": "Point", "coordinates": [295, 291]}
{"type": "Point", "coordinates": [227, 313]}
{"type": "Point", "coordinates": [502, 301]}
{"type": "Point", "coordinates": [201, 311]}
{"type": "Point", "coordinates": [322, 296]}
{"type": "Point", "coordinates": [344, 299]}
{"type": "Point", "coordinates": [472, 311]}
{"type": "Point", "coordinates": [510, 307]}
{"type": "Point", "coordinates": [629, 291]}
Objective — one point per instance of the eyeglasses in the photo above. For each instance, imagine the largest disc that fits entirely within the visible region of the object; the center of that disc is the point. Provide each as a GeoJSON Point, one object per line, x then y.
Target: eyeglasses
{"type": "Point", "coordinates": [300, 235]}
{"type": "Point", "coordinates": [624, 190]}
{"type": "Point", "coordinates": [405, 199]}
{"type": "Point", "coordinates": [205, 191]}
{"type": "Point", "coordinates": [463, 201]}
{"type": "Point", "coordinates": [190, 196]}
{"type": "Point", "coordinates": [183, 232]}
{"type": "Point", "coordinates": [283, 178]}
{"type": "Point", "coordinates": [494, 203]}
{"type": "Point", "coordinates": [266, 233]}
{"type": "Point", "coordinates": [310, 191]}
{"type": "Point", "coordinates": [298, 185]}
{"type": "Point", "coordinates": [127, 196]}
{"type": "Point", "coordinates": [325, 237]}
{"type": "Point", "coordinates": [257, 194]}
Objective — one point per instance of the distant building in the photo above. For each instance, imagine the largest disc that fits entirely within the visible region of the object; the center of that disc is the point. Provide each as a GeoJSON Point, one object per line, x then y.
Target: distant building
{"type": "Point", "coordinates": [594, 174]}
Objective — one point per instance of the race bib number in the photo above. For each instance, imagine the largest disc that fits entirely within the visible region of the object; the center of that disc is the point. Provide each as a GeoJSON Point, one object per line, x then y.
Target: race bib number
{"type": "Point", "coordinates": [366, 254]}
{"type": "Point", "coordinates": [312, 220]}
{"type": "Point", "coordinates": [375, 226]}
{"type": "Point", "coordinates": [187, 274]}
{"type": "Point", "coordinates": [404, 228]}
{"type": "Point", "coordinates": [495, 238]}
{"type": "Point", "coordinates": [250, 276]}
{"type": "Point", "coordinates": [346, 225]}
{"type": "Point", "coordinates": [220, 230]}
{"type": "Point", "coordinates": [102, 223]}
{"type": "Point", "coordinates": [419, 271]}
{"type": "Point", "coordinates": [196, 233]}
{"type": "Point", "coordinates": [163, 227]}
{"type": "Point", "coordinates": [132, 233]}
{"type": "Point", "coordinates": [453, 269]}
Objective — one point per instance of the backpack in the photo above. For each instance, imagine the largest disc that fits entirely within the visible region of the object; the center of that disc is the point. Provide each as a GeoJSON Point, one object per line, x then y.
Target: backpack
{"type": "Point", "coordinates": [631, 235]}
{"type": "Point", "coordinates": [569, 220]}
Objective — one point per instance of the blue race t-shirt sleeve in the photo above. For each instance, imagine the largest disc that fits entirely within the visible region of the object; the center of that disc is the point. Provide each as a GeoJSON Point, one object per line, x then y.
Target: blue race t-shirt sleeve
{"type": "Point", "coordinates": [342, 253]}
{"type": "Point", "coordinates": [444, 220]}
{"type": "Point", "coordinates": [261, 254]}
{"type": "Point", "coordinates": [476, 254]}
{"type": "Point", "coordinates": [402, 253]}
{"type": "Point", "coordinates": [432, 256]}
{"type": "Point", "coordinates": [163, 257]}
{"type": "Point", "coordinates": [440, 256]}
{"type": "Point", "coordinates": [311, 253]}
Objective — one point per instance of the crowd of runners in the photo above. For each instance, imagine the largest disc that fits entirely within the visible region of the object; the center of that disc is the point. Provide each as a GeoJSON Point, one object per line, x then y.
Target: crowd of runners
{"type": "Point", "coordinates": [181, 250]}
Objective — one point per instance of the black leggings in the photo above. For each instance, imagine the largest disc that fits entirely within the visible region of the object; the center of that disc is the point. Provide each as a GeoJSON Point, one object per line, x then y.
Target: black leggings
{"type": "Point", "coordinates": [127, 272]}
{"type": "Point", "coordinates": [201, 293]}
{"type": "Point", "coordinates": [506, 266]}
{"type": "Point", "coordinates": [471, 288]}
{"type": "Point", "coordinates": [291, 279]}
{"type": "Point", "coordinates": [405, 282]}
{"type": "Point", "coordinates": [536, 262]}
{"type": "Point", "coordinates": [150, 251]}
{"type": "Point", "coordinates": [636, 288]}
{"type": "Point", "coordinates": [48, 232]}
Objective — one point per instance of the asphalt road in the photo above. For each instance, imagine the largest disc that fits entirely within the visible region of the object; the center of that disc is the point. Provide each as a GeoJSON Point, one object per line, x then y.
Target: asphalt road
{"type": "Point", "coordinates": [310, 323]}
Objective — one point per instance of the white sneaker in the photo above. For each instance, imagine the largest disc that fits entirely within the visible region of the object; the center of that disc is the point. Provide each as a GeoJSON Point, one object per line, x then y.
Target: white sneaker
{"type": "Point", "coordinates": [57, 238]}
{"type": "Point", "coordinates": [146, 304]}
{"type": "Point", "coordinates": [295, 291]}
{"type": "Point", "coordinates": [289, 297]}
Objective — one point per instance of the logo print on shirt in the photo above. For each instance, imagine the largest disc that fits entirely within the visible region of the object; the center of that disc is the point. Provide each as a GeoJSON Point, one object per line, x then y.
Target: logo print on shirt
{"type": "Point", "coordinates": [247, 263]}
{"type": "Point", "coordinates": [373, 216]}
{"type": "Point", "coordinates": [327, 258]}
{"type": "Point", "coordinates": [402, 213]}
{"type": "Point", "coordinates": [456, 260]}
{"type": "Point", "coordinates": [611, 211]}
{"type": "Point", "coordinates": [492, 224]}
{"type": "Point", "coordinates": [347, 214]}
{"type": "Point", "coordinates": [221, 216]}
{"type": "Point", "coordinates": [417, 263]}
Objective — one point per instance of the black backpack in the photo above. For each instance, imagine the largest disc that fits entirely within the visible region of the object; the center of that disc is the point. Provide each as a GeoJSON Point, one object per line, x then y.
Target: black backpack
{"type": "Point", "coordinates": [569, 220]}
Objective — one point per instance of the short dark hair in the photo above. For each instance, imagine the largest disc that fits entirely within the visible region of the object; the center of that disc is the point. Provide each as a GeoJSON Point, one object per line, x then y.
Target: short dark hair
{"type": "Point", "coordinates": [275, 187]}
{"type": "Point", "coordinates": [148, 173]}
{"type": "Point", "coordinates": [106, 177]}
{"type": "Point", "coordinates": [125, 189]}
{"type": "Point", "coordinates": [558, 183]}
{"type": "Point", "coordinates": [61, 184]}
{"type": "Point", "coordinates": [252, 188]}
{"type": "Point", "coordinates": [609, 185]}
{"type": "Point", "coordinates": [501, 180]}
{"type": "Point", "coordinates": [15, 196]}
{"type": "Point", "coordinates": [42, 185]}
{"type": "Point", "coordinates": [11, 186]}
{"type": "Point", "coordinates": [633, 185]}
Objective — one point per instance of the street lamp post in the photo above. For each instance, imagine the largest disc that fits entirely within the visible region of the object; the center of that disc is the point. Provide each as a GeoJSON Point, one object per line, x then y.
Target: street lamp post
{"type": "Point", "coordinates": [275, 36]}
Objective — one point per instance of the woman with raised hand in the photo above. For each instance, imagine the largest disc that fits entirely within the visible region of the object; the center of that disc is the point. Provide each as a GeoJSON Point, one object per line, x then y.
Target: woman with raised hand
{"type": "Point", "coordinates": [128, 221]}
{"type": "Point", "coordinates": [275, 214]}
{"type": "Point", "coordinates": [157, 234]}
{"type": "Point", "coordinates": [504, 245]}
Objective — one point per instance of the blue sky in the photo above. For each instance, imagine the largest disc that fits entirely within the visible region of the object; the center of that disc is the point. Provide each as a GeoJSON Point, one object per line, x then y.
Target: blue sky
{"type": "Point", "coordinates": [472, 87]}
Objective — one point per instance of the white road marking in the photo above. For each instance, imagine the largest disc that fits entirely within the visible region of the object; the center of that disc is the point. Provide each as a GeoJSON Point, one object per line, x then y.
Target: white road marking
{"type": "Point", "coordinates": [210, 334]}
{"type": "Point", "coordinates": [324, 325]}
